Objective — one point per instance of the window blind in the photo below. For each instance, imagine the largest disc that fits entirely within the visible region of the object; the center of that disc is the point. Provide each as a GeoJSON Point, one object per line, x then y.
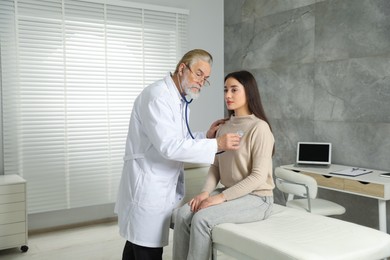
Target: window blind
{"type": "Point", "coordinates": [71, 71]}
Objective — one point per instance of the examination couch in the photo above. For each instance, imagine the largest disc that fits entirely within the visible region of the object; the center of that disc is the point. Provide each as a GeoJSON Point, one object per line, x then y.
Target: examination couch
{"type": "Point", "coordinates": [291, 234]}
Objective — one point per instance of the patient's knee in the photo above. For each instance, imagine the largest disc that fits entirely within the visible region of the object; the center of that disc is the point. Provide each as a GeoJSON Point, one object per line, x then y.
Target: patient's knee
{"type": "Point", "coordinates": [184, 214]}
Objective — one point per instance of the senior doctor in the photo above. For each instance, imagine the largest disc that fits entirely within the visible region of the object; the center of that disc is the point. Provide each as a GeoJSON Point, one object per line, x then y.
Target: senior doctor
{"type": "Point", "coordinates": [158, 143]}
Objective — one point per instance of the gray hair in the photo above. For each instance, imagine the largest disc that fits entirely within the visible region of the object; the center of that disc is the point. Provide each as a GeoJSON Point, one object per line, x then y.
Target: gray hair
{"type": "Point", "coordinates": [193, 56]}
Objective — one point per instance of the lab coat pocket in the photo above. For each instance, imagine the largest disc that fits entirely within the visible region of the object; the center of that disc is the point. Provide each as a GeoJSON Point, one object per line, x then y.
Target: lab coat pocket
{"type": "Point", "coordinates": [154, 190]}
{"type": "Point", "coordinates": [151, 187]}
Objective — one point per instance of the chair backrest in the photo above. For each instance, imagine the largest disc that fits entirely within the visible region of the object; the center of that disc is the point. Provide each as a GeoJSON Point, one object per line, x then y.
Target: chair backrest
{"type": "Point", "coordinates": [295, 183]}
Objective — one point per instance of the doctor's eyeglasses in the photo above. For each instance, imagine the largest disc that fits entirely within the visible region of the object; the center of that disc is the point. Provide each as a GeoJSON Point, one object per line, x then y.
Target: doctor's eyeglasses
{"type": "Point", "coordinates": [199, 77]}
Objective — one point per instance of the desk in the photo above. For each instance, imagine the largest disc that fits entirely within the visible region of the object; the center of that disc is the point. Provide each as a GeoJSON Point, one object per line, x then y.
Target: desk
{"type": "Point", "coordinates": [368, 185]}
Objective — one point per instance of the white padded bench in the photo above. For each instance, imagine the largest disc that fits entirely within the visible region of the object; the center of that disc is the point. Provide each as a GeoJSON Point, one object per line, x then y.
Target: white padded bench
{"type": "Point", "coordinates": [291, 234]}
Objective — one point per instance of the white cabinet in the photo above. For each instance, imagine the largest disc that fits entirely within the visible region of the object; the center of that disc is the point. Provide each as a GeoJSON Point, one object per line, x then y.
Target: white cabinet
{"type": "Point", "coordinates": [13, 212]}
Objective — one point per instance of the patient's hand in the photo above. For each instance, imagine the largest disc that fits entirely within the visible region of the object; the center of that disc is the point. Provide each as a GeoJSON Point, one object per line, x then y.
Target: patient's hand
{"type": "Point", "coordinates": [211, 201]}
{"type": "Point", "coordinates": [196, 201]}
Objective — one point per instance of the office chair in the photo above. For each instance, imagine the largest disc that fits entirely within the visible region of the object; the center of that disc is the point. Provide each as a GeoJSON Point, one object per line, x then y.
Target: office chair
{"type": "Point", "coordinates": [297, 184]}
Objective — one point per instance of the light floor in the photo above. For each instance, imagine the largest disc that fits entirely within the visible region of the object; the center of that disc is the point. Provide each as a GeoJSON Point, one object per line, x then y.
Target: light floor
{"type": "Point", "coordinates": [92, 242]}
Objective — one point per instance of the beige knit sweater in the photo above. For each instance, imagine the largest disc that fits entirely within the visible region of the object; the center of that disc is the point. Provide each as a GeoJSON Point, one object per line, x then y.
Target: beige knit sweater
{"type": "Point", "coordinates": [249, 169]}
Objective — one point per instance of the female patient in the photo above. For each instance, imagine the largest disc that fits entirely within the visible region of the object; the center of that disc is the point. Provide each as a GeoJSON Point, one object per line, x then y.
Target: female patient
{"type": "Point", "coordinates": [246, 174]}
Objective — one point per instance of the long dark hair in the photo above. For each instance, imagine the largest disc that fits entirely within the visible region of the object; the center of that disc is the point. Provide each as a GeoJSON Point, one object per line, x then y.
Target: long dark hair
{"type": "Point", "coordinates": [252, 94]}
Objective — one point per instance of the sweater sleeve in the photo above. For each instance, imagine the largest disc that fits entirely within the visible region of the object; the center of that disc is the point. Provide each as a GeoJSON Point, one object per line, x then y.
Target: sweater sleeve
{"type": "Point", "coordinates": [212, 178]}
{"type": "Point", "coordinates": [259, 176]}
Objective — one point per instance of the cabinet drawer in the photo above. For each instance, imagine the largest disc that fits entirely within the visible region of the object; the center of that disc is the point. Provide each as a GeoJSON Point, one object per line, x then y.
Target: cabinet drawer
{"type": "Point", "coordinates": [12, 229]}
{"type": "Point", "coordinates": [9, 198]}
{"type": "Point", "coordinates": [327, 181]}
{"type": "Point", "coordinates": [13, 241]}
{"type": "Point", "coordinates": [371, 189]}
{"type": "Point", "coordinates": [15, 188]}
{"type": "Point", "coordinates": [11, 207]}
{"type": "Point", "coordinates": [12, 217]}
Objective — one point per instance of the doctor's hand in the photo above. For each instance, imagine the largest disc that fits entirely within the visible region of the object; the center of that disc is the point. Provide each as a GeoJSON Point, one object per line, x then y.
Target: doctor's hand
{"type": "Point", "coordinates": [228, 141]}
{"type": "Point", "coordinates": [214, 127]}
{"type": "Point", "coordinates": [197, 200]}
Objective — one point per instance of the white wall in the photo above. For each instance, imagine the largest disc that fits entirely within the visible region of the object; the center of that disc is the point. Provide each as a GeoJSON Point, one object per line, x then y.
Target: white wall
{"type": "Point", "coordinates": [207, 32]}
{"type": "Point", "coordinates": [206, 27]}
{"type": "Point", "coordinates": [1, 125]}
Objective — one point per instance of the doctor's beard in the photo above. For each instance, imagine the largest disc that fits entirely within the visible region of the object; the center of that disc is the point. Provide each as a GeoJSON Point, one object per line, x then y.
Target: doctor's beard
{"type": "Point", "coordinates": [191, 90]}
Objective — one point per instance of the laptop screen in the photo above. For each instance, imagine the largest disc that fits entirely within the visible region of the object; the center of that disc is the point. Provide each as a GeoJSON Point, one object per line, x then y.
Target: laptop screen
{"type": "Point", "coordinates": [314, 153]}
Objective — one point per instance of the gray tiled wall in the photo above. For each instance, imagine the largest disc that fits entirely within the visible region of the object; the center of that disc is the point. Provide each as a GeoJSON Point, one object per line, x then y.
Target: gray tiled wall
{"type": "Point", "coordinates": [323, 69]}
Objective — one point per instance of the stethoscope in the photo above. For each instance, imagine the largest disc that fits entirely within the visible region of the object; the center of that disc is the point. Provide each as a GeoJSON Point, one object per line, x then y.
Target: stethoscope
{"type": "Point", "coordinates": [186, 109]}
{"type": "Point", "coordinates": [186, 115]}
{"type": "Point", "coordinates": [241, 133]}
{"type": "Point", "coordinates": [186, 119]}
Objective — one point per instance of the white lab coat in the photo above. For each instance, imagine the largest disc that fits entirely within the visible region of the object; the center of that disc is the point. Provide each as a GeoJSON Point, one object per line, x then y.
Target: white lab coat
{"type": "Point", "coordinates": [152, 182]}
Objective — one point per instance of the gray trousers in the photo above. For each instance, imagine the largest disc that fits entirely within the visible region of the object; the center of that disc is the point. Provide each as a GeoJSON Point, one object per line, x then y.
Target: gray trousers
{"type": "Point", "coordinates": [192, 232]}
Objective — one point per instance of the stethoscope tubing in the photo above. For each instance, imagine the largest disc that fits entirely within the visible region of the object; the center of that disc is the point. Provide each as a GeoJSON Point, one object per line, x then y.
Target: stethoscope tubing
{"type": "Point", "coordinates": [186, 118]}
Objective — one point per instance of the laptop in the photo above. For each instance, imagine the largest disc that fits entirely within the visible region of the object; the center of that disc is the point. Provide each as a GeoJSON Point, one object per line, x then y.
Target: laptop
{"type": "Point", "coordinates": [314, 154]}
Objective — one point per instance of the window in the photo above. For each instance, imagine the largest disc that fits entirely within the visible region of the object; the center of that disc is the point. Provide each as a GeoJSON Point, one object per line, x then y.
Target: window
{"type": "Point", "coordinates": [70, 72]}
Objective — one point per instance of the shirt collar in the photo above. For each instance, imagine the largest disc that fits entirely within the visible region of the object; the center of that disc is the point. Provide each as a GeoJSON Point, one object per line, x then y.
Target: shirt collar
{"type": "Point", "coordinates": [172, 88]}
